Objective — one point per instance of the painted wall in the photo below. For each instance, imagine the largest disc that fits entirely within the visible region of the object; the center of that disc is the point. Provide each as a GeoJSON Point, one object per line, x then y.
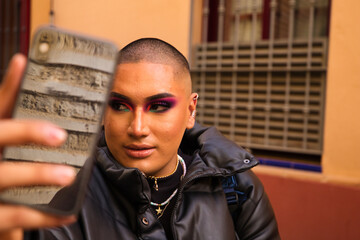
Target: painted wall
{"type": "Point", "coordinates": [342, 114]}
{"type": "Point", "coordinates": [39, 14]}
{"type": "Point", "coordinates": [122, 21]}
{"type": "Point", "coordinates": [301, 200]}
{"type": "Point", "coordinates": [306, 208]}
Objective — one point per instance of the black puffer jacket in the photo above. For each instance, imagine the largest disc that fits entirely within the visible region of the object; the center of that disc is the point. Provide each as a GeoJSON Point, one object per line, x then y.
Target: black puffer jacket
{"type": "Point", "coordinates": [117, 203]}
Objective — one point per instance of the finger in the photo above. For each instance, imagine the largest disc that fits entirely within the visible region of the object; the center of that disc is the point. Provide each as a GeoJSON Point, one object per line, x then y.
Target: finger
{"type": "Point", "coordinates": [17, 132]}
{"type": "Point", "coordinates": [13, 234]}
{"type": "Point", "coordinates": [14, 174]}
{"type": "Point", "coordinates": [10, 85]}
{"type": "Point", "coordinates": [12, 217]}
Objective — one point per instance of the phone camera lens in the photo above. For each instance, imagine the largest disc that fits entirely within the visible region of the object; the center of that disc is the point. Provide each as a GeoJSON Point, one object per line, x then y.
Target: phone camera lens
{"type": "Point", "coordinates": [44, 47]}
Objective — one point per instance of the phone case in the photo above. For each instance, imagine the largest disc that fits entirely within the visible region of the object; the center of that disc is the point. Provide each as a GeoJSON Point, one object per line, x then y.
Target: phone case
{"type": "Point", "coordinates": [67, 80]}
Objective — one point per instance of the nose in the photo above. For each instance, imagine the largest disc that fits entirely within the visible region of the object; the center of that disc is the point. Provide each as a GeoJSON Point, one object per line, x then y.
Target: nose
{"type": "Point", "coordinates": [138, 126]}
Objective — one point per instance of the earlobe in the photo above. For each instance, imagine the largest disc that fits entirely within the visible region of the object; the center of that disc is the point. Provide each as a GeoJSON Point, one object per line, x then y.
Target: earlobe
{"type": "Point", "coordinates": [193, 114]}
{"type": "Point", "coordinates": [191, 122]}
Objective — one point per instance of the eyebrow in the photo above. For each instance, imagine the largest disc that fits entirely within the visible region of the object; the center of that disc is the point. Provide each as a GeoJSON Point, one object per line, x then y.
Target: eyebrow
{"type": "Point", "coordinates": [150, 98]}
{"type": "Point", "coordinates": [118, 95]}
{"type": "Point", "coordinates": [160, 95]}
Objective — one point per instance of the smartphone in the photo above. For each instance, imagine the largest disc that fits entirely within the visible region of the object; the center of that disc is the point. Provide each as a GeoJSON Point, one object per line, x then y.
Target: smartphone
{"type": "Point", "coordinates": [67, 80]}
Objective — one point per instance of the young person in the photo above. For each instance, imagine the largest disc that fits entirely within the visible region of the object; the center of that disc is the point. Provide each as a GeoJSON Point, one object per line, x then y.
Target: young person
{"type": "Point", "coordinates": [150, 180]}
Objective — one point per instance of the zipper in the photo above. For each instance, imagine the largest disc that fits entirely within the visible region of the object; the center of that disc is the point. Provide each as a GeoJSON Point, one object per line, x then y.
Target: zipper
{"type": "Point", "coordinates": [181, 188]}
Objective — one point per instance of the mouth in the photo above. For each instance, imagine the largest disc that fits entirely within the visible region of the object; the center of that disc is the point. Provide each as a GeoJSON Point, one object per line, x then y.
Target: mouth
{"type": "Point", "coordinates": [139, 150]}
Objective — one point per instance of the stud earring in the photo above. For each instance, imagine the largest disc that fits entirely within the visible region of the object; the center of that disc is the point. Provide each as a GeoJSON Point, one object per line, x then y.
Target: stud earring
{"type": "Point", "coordinates": [193, 113]}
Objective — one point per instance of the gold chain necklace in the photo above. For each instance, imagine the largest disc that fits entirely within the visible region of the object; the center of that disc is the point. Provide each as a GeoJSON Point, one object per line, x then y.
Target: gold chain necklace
{"type": "Point", "coordinates": [156, 186]}
{"type": "Point", "coordinates": [160, 211]}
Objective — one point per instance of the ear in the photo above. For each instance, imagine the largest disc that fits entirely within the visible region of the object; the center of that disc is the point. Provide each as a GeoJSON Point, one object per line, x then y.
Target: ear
{"type": "Point", "coordinates": [192, 110]}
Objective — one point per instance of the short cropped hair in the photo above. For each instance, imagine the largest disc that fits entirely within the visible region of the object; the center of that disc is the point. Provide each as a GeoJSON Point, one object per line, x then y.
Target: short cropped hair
{"type": "Point", "coordinates": [155, 51]}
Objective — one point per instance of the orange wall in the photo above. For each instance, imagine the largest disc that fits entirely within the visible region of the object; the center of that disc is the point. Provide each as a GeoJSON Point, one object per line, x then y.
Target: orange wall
{"type": "Point", "coordinates": [307, 205]}
{"type": "Point", "coordinates": [124, 21]}
{"type": "Point", "coordinates": [308, 209]}
{"type": "Point", "coordinates": [39, 13]}
{"type": "Point", "coordinates": [342, 114]}
{"type": "Point", "coordinates": [196, 31]}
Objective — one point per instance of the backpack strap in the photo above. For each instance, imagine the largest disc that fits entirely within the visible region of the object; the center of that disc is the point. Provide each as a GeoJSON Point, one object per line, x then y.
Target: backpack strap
{"type": "Point", "coordinates": [235, 198]}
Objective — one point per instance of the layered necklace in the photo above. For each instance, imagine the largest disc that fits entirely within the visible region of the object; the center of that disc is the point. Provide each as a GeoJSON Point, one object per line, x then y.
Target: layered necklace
{"type": "Point", "coordinates": [162, 206]}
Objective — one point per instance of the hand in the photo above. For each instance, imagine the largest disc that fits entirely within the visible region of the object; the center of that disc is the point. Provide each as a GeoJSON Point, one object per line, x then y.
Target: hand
{"type": "Point", "coordinates": [16, 132]}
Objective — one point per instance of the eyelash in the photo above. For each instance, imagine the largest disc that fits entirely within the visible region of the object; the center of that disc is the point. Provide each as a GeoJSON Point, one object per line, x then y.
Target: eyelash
{"type": "Point", "coordinates": [117, 105]}
{"type": "Point", "coordinates": [164, 106]}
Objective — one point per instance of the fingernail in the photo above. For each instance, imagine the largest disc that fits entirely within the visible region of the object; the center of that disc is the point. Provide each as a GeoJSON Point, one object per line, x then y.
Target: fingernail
{"type": "Point", "coordinates": [64, 174]}
{"type": "Point", "coordinates": [58, 134]}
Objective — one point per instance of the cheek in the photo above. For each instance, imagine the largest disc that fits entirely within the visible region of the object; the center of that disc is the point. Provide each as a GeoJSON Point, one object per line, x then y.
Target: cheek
{"type": "Point", "coordinates": [107, 122]}
{"type": "Point", "coordinates": [172, 128]}
{"type": "Point", "coordinates": [114, 125]}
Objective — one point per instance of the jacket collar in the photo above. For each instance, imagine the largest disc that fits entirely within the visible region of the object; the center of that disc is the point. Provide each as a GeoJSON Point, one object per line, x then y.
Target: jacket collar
{"type": "Point", "coordinates": [220, 155]}
{"type": "Point", "coordinates": [214, 156]}
{"type": "Point", "coordinates": [129, 181]}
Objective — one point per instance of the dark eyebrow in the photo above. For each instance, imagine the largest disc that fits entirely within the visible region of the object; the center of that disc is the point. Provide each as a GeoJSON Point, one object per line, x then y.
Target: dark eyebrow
{"type": "Point", "coordinates": [118, 95]}
{"type": "Point", "coordinates": [153, 97]}
{"type": "Point", "coordinates": [160, 95]}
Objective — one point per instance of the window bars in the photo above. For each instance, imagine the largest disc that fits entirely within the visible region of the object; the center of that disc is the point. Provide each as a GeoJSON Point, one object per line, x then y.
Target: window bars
{"type": "Point", "coordinates": [264, 93]}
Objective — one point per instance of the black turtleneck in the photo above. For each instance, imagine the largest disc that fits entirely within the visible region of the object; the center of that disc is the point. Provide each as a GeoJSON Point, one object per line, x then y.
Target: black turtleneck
{"type": "Point", "coordinates": [166, 186]}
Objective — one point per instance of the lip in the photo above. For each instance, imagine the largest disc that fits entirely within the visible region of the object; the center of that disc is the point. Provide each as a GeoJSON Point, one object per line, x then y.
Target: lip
{"type": "Point", "coordinates": [139, 150]}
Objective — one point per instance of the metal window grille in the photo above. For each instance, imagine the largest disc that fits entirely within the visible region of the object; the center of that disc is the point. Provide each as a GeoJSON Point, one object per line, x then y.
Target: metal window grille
{"type": "Point", "coordinates": [263, 85]}
{"type": "Point", "coordinates": [14, 30]}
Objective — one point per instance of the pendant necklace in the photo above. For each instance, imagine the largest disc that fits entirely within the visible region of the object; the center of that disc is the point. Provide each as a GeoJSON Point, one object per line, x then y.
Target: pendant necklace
{"type": "Point", "coordinates": [156, 186]}
{"type": "Point", "coordinates": [159, 211]}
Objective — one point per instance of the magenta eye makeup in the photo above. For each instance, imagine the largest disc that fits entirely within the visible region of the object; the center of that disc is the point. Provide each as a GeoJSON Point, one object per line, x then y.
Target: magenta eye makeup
{"type": "Point", "coordinates": [160, 105]}
{"type": "Point", "coordinates": [120, 105]}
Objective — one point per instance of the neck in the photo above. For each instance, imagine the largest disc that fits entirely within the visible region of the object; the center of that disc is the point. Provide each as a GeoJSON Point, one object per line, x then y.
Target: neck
{"type": "Point", "coordinates": [155, 178]}
{"type": "Point", "coordinates": [162, 174]}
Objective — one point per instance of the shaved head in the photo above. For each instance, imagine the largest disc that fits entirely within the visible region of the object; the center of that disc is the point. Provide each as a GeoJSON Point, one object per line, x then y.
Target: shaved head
{"type": "Point", "coordinates": [156, 51]}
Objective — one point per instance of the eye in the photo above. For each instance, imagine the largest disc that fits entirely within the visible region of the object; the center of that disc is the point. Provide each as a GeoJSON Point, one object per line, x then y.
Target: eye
{"type": "Point", "coordinates": [119, 106]}
{"type": "Point", "coordinates": [159, 107]}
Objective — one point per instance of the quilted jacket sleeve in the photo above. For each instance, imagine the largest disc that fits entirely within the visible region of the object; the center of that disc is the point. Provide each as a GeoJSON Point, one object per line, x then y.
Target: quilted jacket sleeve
{"type": "Point", "coordinates": [256, 219]}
